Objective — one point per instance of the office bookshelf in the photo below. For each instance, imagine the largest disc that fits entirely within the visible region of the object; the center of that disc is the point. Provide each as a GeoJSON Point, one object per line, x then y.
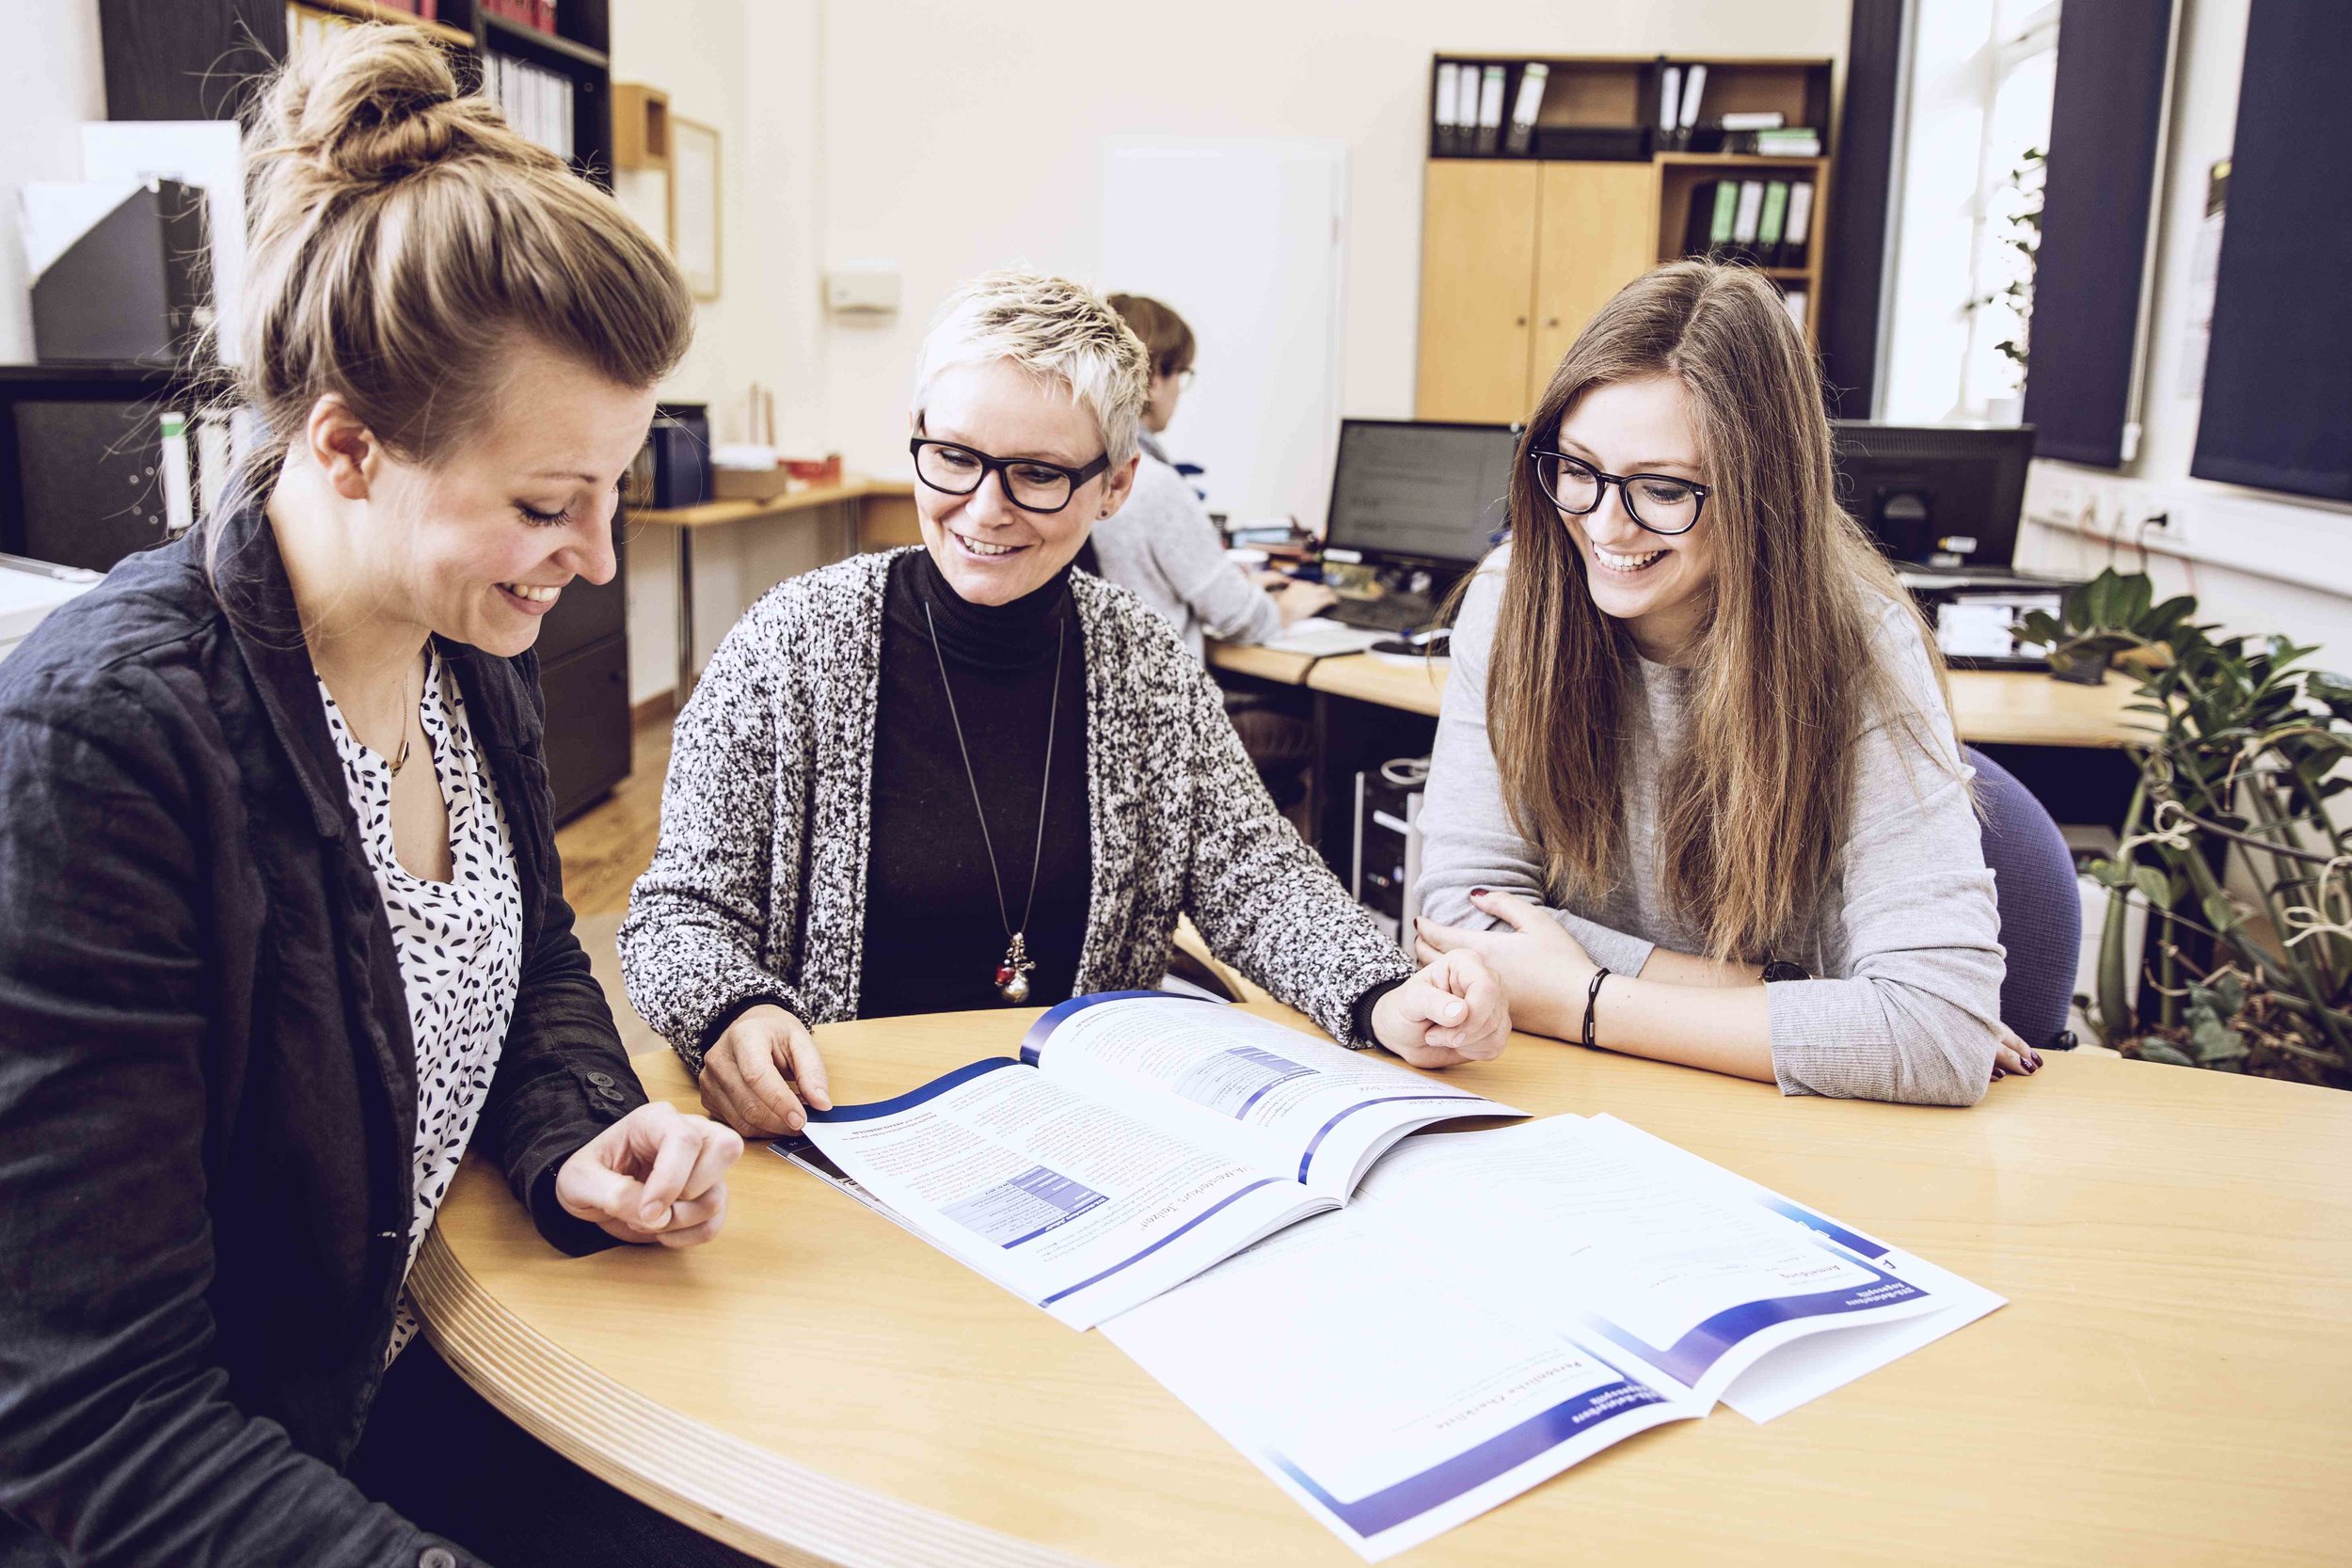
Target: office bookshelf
{"type": "Point", "coordinates": [1520, 244]}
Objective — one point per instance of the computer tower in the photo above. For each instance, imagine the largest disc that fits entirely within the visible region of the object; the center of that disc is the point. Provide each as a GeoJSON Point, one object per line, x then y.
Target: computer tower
{"type": "Point", "coordinates": [89, 480]}
{"type": "Point", "coordinates": [1385, 874]}
{"type": "Point", "coordinates": [680, 439]}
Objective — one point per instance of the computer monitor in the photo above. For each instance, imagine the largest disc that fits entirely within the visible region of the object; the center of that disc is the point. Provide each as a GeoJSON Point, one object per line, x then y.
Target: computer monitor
{"type": "Point", "coordinates": [1941, 496]}
{"type": "Point", "coordinates": [1418, 493]}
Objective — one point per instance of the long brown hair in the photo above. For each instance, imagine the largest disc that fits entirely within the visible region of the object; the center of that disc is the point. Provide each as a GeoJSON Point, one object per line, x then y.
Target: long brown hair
{"type": "Point", "coordinates": [1753, 808]}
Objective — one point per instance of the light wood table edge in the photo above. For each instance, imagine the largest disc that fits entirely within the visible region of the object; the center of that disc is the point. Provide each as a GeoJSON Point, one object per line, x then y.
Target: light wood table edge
{"type": "Point", "coordinates": [1986, 704]}
{"type": "Point", "coordinates": [720, 1485]}
{"type": "Point", "coordinates": [1407, 685]}
{"type": "Point", "coordinates": [723, 513]}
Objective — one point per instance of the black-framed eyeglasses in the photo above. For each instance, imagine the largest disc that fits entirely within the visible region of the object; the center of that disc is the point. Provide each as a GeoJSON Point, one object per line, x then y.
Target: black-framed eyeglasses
{"type": "Point", "coordinates": [1659, 502]}
{"type": "Point", "coordinates": [1030, 483]}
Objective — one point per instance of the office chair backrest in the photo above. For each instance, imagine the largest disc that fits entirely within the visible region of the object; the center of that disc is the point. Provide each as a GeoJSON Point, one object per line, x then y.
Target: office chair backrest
{"type": "Point", "coordinates": [2040, 906]}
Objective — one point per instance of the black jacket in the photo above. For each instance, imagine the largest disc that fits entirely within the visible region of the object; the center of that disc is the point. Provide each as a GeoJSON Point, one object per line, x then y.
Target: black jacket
{"type": "Point", "coordinates": [207, 1084]}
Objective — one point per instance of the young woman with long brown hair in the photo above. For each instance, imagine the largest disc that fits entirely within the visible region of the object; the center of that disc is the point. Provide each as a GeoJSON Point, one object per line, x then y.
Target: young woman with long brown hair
{"type": "Point", "coordinates": [1694, 739]}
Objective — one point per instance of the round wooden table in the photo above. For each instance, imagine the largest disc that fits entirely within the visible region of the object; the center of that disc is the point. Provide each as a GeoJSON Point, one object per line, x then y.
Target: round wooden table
{"type": "Point", "coordinates": [2171, 1383]}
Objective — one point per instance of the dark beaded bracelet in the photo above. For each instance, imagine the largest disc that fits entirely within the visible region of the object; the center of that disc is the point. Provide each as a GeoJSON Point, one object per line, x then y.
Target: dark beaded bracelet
{"type": "Point", "coordinates": [1592, 996]}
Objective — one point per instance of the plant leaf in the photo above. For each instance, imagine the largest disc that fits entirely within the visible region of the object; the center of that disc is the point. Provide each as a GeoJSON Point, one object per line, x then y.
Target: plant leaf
{"type": "Point", "coordinates": [2160, 1051]}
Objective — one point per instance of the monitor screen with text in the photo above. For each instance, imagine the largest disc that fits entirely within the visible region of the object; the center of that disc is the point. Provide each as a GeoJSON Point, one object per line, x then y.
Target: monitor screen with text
{"type": "Point", "coordinates": [1421, 491]}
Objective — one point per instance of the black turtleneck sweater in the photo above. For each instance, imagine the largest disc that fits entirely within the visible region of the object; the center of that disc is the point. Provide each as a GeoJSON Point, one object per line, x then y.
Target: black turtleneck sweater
{"type": "Point", "coordinates": [933, 934]}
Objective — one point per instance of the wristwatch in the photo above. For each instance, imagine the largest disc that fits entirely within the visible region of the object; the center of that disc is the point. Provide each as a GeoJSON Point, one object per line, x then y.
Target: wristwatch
{"type": "Point", "coordinates": [1781, 969]}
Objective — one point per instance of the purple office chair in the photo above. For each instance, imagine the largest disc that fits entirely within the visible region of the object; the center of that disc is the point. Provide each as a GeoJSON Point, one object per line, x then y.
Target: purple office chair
{"type": "Point", "coordinates": [2039, 903]}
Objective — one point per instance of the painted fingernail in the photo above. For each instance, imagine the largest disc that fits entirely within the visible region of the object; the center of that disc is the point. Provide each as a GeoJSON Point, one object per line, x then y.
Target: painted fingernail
{"type": "Point", "coordinates": [1999, 1073]}
{"type": "Point", "coordinates": [1478, 893]}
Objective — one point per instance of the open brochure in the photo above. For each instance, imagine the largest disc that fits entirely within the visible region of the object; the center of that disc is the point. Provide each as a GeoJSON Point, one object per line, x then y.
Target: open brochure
{"type": "Point", "coordinates": [1496, 1305]}
{"type": "Point", "coordinates": [1142, 1137]}
{"type": "Point", "coordinates": [1493, 1306]}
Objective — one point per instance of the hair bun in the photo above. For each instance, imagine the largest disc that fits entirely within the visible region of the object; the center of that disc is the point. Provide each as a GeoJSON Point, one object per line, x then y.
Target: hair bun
{"type": "Point", "coordinates": [371, 105]}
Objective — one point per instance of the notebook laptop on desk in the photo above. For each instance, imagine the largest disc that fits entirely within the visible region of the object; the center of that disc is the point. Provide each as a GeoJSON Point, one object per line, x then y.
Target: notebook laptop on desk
{"type": "Point", "coordinates": [1415, 504]}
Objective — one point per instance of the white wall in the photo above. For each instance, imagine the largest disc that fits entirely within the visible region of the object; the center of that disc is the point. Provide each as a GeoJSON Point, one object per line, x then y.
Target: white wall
{"type": "Point", "coordinates": [2257, 561]}
{"type": "Point", "coordinates": [959, 137]}
{"type": "Point", "coordinates": [744, 67]}
{"type": "Point", "coordinates": [52, 78]}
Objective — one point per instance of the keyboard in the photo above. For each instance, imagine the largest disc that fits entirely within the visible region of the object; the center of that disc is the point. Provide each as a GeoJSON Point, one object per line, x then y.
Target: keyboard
{"type": "Point", "coordinates": [1393, 612]}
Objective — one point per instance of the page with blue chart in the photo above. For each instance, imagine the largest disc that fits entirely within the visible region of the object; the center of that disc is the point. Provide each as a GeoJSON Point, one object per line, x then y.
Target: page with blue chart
{"type": "Point", "coordinates": [1269, 1094]}
{"type": "Point", "coordinates": [1078, 1207]}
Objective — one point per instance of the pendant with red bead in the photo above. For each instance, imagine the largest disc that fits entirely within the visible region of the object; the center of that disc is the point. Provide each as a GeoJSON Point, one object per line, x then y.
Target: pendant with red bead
{"type": "Point", "coordinates": [1012, 975]}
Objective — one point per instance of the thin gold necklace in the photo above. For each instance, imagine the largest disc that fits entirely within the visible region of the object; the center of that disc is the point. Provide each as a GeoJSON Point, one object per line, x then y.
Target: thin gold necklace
{"type": "Point", "coordinates": [407, 711]}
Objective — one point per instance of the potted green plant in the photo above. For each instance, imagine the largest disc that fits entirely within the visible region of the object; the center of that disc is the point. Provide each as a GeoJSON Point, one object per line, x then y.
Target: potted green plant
{"type": "Point", "coordinates": [2108, 615]}
{"type": "Point", "coordinates": [2233, 839]}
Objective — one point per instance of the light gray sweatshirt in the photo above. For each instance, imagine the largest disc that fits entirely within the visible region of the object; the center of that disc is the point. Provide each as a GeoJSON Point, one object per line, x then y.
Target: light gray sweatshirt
{"type": "Point", "coordinates": [1162, 548]}
{"type": "Point", "coordinates": [1905, 940]}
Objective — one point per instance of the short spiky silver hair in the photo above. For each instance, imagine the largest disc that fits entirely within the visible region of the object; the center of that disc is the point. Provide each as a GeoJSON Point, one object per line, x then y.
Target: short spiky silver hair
{"type": "Point", "coordinates": [1057, 331]}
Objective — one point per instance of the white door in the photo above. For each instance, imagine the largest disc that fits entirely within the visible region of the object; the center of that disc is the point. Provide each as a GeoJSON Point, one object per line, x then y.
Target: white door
{"type": "Point", "coordinates": [1246, 241]}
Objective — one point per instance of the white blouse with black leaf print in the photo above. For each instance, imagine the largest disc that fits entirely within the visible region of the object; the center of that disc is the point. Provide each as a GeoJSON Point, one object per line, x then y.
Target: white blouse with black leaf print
{"type": "Point", "coordinates": [460, 942]}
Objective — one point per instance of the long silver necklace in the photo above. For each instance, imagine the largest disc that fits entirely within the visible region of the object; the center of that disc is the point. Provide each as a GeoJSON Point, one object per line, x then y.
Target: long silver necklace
{"type": "Point", "coordinates": [1012, 975]}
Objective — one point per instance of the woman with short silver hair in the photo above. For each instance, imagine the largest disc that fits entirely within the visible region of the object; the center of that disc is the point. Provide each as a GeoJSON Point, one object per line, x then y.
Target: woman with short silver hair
{"type": "Point", "coordinates": [963, 775]}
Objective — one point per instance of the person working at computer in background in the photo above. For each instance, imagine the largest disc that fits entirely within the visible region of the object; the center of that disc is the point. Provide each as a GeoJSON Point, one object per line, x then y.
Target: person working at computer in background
{"type": "Point", "coordinates": [1162, 546]}
{"type": "Point", "coordinates": [1714, 749]}
{"type": "Point", "coordinates": [964, 775]}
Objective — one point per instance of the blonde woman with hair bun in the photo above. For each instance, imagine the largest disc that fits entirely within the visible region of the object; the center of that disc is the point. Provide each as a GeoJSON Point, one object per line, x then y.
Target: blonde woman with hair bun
{"type": "Point", "coordinates": [1694, 739]}
{"type": "Point", "coordinates": [964, 775]}
{"type": "Point", "coordinates": [282, 931]}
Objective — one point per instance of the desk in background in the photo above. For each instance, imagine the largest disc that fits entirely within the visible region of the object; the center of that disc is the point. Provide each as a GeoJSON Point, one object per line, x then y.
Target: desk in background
{"type": "Point", "coordinates": [871, 513]}
{"type": "Point", "coordinates": [2063, 740]}
{"type": "Point", "coordinates": [820, 1386]}
{"type": "Point", "coordinates": [1991, 707]}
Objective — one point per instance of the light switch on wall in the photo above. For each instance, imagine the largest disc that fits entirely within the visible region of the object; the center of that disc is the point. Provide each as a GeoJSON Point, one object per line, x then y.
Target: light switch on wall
{"type": "Point", "coordinates": [862, 291]}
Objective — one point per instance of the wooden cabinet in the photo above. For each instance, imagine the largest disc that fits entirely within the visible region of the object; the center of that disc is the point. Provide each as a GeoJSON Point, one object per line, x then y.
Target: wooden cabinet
{"type": "Point", "coordinates": [1524, 236]}
{"type": "Point", "coordinates": [1477, 290]}
{"type": "Point", "coordinates": [1593, 237]}
{"type": "Point", "coordinates": [1516, 256]}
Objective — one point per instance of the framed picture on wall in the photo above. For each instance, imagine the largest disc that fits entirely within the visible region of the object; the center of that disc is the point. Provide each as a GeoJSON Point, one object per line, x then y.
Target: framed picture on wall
{"type": "Point", "coordinates": [694, 204]}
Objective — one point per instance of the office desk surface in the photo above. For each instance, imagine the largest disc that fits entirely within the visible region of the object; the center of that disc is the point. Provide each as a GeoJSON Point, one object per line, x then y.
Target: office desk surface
{"type": "Point", "coordinates": [1990, 706]}
{"type": "Point", "coordinates": [2171, 1383]}
{"type": "Point", "coordinates": [718, 514]}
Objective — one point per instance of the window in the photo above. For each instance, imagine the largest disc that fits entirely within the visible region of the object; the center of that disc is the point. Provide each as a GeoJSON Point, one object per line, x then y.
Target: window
{"type": "Point", "coordinates": [2021, 71]}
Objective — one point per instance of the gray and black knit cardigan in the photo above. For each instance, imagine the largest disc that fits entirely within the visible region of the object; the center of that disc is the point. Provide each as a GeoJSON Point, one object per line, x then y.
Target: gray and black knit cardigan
{"type": "Point", "coordinates": [757, 889]}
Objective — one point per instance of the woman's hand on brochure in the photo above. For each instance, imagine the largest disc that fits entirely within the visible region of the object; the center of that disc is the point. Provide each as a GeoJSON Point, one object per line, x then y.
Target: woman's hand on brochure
{"type": "Point", "coordinates": [1452, 1011]}
{"type": "Point", "coordinates": [763, 1074]}
{"type": "Point", "coordinates": [657, 1177]}
{"type": "Point", "coordinates": [1539, 963]}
